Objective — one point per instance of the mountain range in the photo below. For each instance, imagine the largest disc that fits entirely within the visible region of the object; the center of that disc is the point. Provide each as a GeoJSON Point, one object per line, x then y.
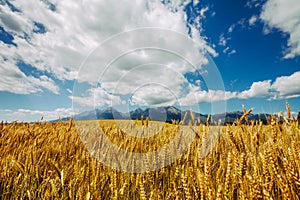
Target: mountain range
{"type": "Point", "coordinates": [166, 114]}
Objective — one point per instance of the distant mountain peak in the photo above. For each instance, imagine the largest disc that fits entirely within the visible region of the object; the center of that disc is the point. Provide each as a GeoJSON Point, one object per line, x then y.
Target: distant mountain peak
{"type": "Point", "coordinates": [138, 109]}
{"type": "Point", "coordinates": [167, 114]}
{"type": "Point", "coordinates": [109, 109]}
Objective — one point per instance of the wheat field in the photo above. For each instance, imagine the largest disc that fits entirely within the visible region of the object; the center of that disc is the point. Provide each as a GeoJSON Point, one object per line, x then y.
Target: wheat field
{"type": "Point", "coordinates": [44, 160]}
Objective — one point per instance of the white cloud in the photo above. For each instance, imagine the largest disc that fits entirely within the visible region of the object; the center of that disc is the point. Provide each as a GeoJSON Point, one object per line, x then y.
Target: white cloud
{"type": "Point", "coordinates": [267, 30]}
{"type": "Point", "coordinates": [153, 96]}
{"type": "Point", "coordinates": [14, 22]}
{"type": "Point", "coordinates": [285, 16]}
{"type": "Point", "coordinates": [44, 82]}
{"type": "Point", "coordinates": [257, 89]}
{"type": "Point", "coordinates": [196, 95]}
{"type": "Point", "coordinates": [284, 87]}
{"type": "Point", "coordinates": [231, 28]}
{"type": "Point", "coordinates": [239, 24]}
{"type": "Point", "coordinates": [252, 20]}
{"type": "Point", "coordinates": [233, 51]}
{"type": "Point", "coordinates": [222, 40]}
{"type": "Point", "coordinates": [253, 3]}
{"type": "Point", "coordinates": [287, 86]}
{"type": "Point", "coordinates": [27, 115]}
{"type": "Point", "coordinates": [225, 50]}
{"type": "Point", "coordinates": [72, 36]}
{"type": "Point", "coordinates": [95, 97]}
{"type": "Point", "coordinates": [153, 74]}
{"type": "Point", "coordinates": [15, 81]}
{"type": "Point", "coordinates": [203, 11]}
{"type": "Point", "coordinates": [195, 2]}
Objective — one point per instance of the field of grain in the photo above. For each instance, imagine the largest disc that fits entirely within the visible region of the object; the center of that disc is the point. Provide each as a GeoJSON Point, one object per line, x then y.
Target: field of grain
{"type": "Point", "coordinates": [46, 160]}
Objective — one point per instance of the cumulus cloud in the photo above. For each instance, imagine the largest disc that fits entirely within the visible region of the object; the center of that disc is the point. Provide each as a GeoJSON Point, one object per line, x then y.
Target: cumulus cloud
{"type": "Point", "coordinates": [196, 95]}
{"type": "Point", "coordinates": [14, 22]}
{"type": "Point", "coordinates": [158, 74]}
{"type": "Point", "coordinates": [285, 16]}
{"type": "Point", "coordinates": [71, 41]}
{"type": "Point", "coordinates": [257, 89]}
{"type": "Point", "coordinates": [287, 86]}
{"type": "Point", "coordinates": [71, 36]}
{"type": "Point", "coordinates": [284, 87]}
{"type": "Point", "coordinates": [153, 96]}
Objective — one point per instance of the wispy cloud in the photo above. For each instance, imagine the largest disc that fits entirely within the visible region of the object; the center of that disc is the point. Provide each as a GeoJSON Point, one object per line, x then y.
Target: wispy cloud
{"type": "Point", "coordinates": [223, 43]}
{"type": "Point", "coordinates": [222, 40]}
{"type": "Point", "coordinates": [231, 28]}
{"type": "Point", "coordinates": [254, 3]}
{"type": "Point", "coordinates": [225, 50]}
{"type": "Point", "coordinates": [203, 11]}
{"type": "Point", "coordinates": [252, 20]}
{"type": "Point", "coordinates": [233, 51]}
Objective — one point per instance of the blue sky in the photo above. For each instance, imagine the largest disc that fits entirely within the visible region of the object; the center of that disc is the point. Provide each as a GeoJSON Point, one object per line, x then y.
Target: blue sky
{"type": "Point", "coordinates": [211, 56]}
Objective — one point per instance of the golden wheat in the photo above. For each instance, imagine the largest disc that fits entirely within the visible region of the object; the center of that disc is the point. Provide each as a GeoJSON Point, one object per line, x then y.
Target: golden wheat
{"type": "Point", "coordinates": [45, 160]}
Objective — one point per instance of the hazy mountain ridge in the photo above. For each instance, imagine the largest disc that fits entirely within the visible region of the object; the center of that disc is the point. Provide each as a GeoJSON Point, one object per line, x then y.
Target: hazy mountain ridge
{"type": "Point", "coordinates": [167, 114]}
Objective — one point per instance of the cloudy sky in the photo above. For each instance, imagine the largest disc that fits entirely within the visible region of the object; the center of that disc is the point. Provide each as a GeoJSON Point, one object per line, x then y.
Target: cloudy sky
{"type": "Point", "coordinates": [63, 57]}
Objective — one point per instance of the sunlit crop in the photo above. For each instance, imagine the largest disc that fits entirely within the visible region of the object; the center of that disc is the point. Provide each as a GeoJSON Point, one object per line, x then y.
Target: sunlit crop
{"type": "Point", "coordinates": [46, 160]}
